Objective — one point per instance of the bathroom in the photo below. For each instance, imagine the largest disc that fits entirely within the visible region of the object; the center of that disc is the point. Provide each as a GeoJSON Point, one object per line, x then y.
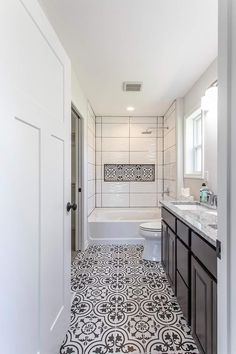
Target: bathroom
{"type": "Point", "coordinates": [137, 162]}
{"type": "Point", "coordinates": [121, 167]}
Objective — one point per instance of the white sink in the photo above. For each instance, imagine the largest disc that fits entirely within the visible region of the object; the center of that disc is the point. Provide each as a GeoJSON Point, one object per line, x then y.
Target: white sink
{"type": "Point", "coordinates": [195, 207]}
{"type": "Point", "coordinates": [212, 212]}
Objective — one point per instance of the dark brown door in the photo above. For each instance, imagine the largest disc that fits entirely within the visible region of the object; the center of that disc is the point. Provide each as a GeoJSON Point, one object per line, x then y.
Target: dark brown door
{"type": "Point", "coordinates": [203, 308]}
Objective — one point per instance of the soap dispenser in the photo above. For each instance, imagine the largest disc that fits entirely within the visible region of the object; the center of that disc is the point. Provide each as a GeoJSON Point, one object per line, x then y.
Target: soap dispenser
{"type": "Point", "coordinates": [204, 193]}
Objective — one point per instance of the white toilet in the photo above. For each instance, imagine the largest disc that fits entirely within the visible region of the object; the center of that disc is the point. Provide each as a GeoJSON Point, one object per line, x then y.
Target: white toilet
{"type": "Point", "coordinates": [151, 232]}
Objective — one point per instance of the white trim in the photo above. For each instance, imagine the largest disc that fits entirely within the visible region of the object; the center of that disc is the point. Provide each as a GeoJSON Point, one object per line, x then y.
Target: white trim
{"type": "Point", "coordinates": [190, 176]}
{"type": "Point", "coordinates": [226, 190]}
{"type": "Point", "coordinates": [179, 146]}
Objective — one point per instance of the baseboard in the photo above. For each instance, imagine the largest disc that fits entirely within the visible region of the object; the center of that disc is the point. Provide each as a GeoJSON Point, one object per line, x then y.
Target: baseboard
{"type": "Point", "coordinates": [115, 241]}
{"type": "Point", "coordinates": [86, 245]}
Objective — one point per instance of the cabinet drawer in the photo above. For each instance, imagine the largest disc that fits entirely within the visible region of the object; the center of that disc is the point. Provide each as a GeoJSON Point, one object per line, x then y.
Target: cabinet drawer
{"type": "Point", "coordinates": [183, 295]}
{"type": "Point", "coordinates": [183, 261]}
{"type": "Point", "coordinates": [205, 253]}
{"type": "Point", "coordinates": [169, 219]}
{"type": "Point", "coordinates": [183, 232]}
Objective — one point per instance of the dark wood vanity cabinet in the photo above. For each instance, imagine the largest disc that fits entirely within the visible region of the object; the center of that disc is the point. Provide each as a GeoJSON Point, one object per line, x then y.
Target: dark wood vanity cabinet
{"type": "Point", "coordinates": [191, 266]}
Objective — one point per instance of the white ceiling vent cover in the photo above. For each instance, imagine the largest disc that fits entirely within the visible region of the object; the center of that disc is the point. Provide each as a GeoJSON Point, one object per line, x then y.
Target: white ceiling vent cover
{"type": "Point", "coordinates": [132, 86]}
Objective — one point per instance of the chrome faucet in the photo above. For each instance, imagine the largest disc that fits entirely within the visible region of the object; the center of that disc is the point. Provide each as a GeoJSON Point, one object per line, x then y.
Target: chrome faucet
{"type": "Point", "coordinates": [215, 200]}
{"type": "Point", "coordinates": [212, 199]}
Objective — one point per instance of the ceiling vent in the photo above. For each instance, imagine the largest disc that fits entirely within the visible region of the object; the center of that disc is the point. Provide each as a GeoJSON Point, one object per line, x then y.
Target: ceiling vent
{"type": "Point", "coordinates": [132, 86]}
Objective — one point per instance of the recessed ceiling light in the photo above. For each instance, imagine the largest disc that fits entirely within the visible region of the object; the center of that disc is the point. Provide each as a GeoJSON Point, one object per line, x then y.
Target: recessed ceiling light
{"type": "Point", "coordinates": [130, 108]}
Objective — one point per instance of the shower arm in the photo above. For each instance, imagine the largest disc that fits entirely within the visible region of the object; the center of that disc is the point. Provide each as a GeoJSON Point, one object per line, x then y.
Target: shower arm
{"type": "Point", "coordinates": [164, 127]}
{"type": "Point", "coordinates": [149, 130]}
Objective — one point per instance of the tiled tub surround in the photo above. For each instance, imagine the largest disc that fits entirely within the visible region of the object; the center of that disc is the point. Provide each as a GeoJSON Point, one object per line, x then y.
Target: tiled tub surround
{"type": "Point", "coordinates": [119, 140]}
{"type": "Point", "coordinates": [123, 304]}
{"type": "Point", "coordinates": [197, 220]}
{"type": "Point", "coordinates": [119, 225]}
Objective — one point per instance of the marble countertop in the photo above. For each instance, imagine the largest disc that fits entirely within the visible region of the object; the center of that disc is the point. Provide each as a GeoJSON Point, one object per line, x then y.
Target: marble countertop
{"type": "Point", "coordinates": [197, 220]}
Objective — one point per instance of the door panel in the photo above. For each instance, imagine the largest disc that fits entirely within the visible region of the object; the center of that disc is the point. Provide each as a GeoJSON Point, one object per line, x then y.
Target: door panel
{"type": "Point", "coordinates": [53, 232]}
{"type": "Point", "coordinates": [34, 182]}
{"type": "Point", "coordinates": [164, 243]}
{"type": "Point", "coordinates": [182, 293]}
{"type": "Point", "coordinates": [203, 308]}
{"type": "Point", "coordinates": [20, 233]}
{"type": "Point", "coordinates": [31, 58]}
{"type": "Point", "coordinates": [172, 258]}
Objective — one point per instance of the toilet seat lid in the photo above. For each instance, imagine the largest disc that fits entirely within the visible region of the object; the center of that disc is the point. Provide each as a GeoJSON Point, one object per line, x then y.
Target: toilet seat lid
{"type": "Point", "coordinates": [151, 226]}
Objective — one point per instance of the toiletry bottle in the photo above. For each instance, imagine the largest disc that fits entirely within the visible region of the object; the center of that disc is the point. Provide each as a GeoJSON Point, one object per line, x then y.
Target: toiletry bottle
{"type": "Point", "coordinates": [203, 193]}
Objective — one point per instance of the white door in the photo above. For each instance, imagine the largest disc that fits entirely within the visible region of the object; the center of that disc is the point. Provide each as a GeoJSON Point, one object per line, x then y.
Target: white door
{"type": "Point", "coordinates": [34, 182]}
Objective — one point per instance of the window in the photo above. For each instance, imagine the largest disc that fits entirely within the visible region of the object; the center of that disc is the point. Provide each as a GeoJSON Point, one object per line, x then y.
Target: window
{"type": "Point", "coordinates": [197, 144]}
{"type": "Point", "coordinates": [194, 145]}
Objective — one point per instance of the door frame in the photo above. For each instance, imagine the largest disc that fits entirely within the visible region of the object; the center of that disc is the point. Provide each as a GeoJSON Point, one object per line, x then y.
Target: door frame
{"type": "Point", "coordinates": [226, 177]}
{"type": "Point", "coordinates": [81, 243]}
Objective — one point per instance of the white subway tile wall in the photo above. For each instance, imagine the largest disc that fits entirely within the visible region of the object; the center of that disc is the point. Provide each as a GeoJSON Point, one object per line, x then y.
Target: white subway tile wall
{"type": "Point", "coordinates": [119, 140]}
{"type": "Point", "coordinates": [115, 144]}
{"type": "Point", "coordinates": [91, 160]}
{"type": "Point", "coordinates": [113, 200]}
{"type": "Point", "coordinates": [143, 200]}
{"type": "Point", "coordinates": [169, 155]}
{"type": "Point", "coordinates": [117, 156]}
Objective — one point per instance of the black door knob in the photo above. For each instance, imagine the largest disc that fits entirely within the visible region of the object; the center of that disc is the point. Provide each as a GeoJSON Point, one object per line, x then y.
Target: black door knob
{"type": "Point", "coordinates": [70, 206]}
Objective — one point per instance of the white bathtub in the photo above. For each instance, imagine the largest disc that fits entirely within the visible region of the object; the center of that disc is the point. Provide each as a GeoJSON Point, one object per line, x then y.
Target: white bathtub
{"type": "Point", "coordinates": [119, 225]}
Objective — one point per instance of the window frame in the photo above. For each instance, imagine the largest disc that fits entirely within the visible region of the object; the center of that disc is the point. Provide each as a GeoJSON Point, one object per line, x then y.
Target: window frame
{"type": "Point", "coordinates": [195, 116]}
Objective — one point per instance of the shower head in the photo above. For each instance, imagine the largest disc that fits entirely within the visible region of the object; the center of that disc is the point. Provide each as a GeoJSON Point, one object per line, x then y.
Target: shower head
{"type": "Point", "coordinates": [147, 132]}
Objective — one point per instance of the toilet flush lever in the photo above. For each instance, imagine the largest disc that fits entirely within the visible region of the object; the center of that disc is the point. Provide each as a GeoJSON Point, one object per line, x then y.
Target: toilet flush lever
{"type": "Point", "coordinates": [70, 206]}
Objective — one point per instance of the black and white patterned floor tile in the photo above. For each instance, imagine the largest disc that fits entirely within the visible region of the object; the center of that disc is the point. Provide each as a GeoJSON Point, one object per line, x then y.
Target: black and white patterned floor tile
{"type": "Point", "coordinates": [123, 304]}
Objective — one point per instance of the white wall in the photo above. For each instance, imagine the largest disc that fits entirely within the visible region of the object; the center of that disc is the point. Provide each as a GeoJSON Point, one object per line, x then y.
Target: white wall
{"type": "Point", "coordinates": [119, 140]}
{"type": "Point", "coordinates": [191, 102]}
{"type": "Point", "coordinates": [170, 186]}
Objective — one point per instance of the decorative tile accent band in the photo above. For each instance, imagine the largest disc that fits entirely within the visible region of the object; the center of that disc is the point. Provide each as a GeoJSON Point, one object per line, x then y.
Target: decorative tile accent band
{"type": "Point", "coordinates": [129, 173]}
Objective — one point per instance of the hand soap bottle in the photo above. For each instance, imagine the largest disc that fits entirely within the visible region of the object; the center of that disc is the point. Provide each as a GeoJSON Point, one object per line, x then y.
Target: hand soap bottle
{"type": "Point", "coordinates": [204, 193]}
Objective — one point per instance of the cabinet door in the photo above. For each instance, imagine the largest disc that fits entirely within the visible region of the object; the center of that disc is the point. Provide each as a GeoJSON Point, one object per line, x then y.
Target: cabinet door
{"type": "Point", "coordinates": [172, 258]}
{"type": "Point", "coordinates": [164, 246]}
{"type": "Point", "coordinates": [203, 308]}
{"type": "Point", "coordinates": [182, 293]}
{"type": "Point", "coordinates": [183, 261]}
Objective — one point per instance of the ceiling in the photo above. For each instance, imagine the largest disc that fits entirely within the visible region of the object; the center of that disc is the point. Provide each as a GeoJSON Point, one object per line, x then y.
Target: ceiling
{"type": "Point", "coordinates": [166, 44]}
